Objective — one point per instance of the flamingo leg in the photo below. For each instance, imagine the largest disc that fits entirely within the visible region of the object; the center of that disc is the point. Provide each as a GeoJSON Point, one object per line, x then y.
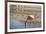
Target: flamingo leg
{"type": "Point", "coordinates": [29, 24]}
{"type": "Point", "coordinates": [25, 23]}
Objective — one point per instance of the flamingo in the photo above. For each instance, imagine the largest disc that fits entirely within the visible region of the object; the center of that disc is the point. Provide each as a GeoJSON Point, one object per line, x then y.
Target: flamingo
{"type": "Point", "coordinates": [29, 18]}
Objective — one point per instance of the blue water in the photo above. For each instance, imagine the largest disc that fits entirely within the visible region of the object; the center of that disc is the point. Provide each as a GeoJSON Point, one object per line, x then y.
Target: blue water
{"type": "Point", "coordinates": [14, 24]}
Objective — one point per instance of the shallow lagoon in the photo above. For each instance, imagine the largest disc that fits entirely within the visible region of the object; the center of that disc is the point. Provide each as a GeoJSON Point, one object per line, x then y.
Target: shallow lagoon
{"type": "Point", "coordinates": [14, 24]}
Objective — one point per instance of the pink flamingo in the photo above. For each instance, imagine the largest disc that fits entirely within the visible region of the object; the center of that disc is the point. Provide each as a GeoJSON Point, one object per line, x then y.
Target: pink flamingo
{"type": "Point", "coordinates": [29, 18]}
